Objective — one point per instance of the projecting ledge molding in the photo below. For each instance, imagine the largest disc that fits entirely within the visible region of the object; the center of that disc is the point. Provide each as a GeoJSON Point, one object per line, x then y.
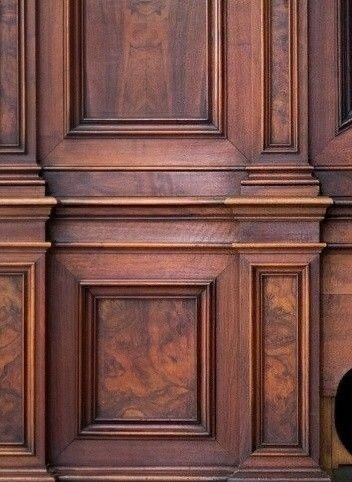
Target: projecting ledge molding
{"type": "Point", "coordinates": [232, 207]}
{"type": "Point", "coordinates": [267, 247]}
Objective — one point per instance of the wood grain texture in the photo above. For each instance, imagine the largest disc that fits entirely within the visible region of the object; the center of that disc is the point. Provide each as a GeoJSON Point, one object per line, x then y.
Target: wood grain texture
{"type": "Point", "coordinates": [279, 360]}
{"type": "Point", "coordinates": [139, 66]}
{"type": "Point", "coordinates": [12, 389]}
{"type": "Point", "coordinates": [201, 286]}
{"type": "Point", "coordinates": [279, 393]}
{"type": "Point", "coordinates": [146, 352]}
{"type": "Point", "coordinates": [11, 75]}
{"type": "Point", "coordinates": [280, 76]}
{"type": "Point", "coordinates": [152, 66]}
{"type": "Point", "coordinates": [146, 370]}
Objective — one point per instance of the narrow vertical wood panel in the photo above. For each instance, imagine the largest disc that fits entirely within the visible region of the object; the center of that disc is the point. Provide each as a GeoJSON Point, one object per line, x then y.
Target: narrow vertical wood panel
{"type": "Point", "coordinates": [280, 353]}
{"type": "Point", "coordinates": [280, 76]}
{"type": "Point", "coordinates": [11, 76]}
{"type": "Point", "coordinates": [12, 390]}
{"type": "Point", "coordinates": [279, 360]}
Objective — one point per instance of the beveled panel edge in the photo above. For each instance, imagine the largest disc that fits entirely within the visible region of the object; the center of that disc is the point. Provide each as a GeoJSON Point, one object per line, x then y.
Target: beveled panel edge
{"type": "Point", "coordinates": [213, 127]}
{"type": "Point", "coordinates": [203, 290]}
{"type": "Point", "coordinates": [28, 447]}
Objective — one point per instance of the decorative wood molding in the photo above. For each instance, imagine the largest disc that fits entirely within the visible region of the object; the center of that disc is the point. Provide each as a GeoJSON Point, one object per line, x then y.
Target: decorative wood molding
{"type": "Point", "coordinates": [272, 247]}
{"type": "Point", "coordinates": [280, 374]}
{"type": "Point", "coordinates": [138, 474]}
{"type": "Point", "coordinates": [17, 401]}
{"type": "Point", "coordinates": [136, 300]}
{"type": "Point", "coordinates": [281, 353]}
{"type": "Point", "coordinates": [80, 123]}
{"type": "Point", "coordinates": [232, 207]}
{"type": "Point", "coordinates": [192, 415]}
{"type": "Point", "coordinates": [22, 450]}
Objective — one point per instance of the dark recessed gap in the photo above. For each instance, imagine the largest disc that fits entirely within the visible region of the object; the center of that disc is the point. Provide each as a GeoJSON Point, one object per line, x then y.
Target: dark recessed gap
{"type": "Point", "coordinates": [343, 411]}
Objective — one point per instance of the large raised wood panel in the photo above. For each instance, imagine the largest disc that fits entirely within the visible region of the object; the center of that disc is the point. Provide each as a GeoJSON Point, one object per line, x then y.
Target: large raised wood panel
{"type": "Point", "coordinates": [137, 79]}
{"type": "Point", "coordinates": [147, 362]}
{"type": "Point", "coordinates": [175, 239]}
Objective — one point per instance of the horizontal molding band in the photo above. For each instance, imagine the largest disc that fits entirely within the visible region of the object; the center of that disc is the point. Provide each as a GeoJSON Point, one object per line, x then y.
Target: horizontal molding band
{"type": "Point", "coordinates": [143, 168]}
{"type": "Point", "coordinates": [197, 201]}
{"type": "Point", "coordinates": [25, 245]}
{"type": "Point", "coordinates": [18, 201]}
{"type": "Point", "coordinates": [339, 245]}
{"type": "Point", "coordinates": [226, 246]}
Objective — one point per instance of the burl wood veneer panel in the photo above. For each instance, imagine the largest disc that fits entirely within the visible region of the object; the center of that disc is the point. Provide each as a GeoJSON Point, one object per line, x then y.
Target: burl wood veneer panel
{"type": "Point", "coordinates": [12, 390]}
{"type": "Point", "coordinates": [143, 354]}
{"type": "Point", "coordinates": [280, 76]}
{"type": "Point", "coordinates": [162, 333]}
{"type": "Point", "coordinates": [279, 360]}
{"type": "Point", "coordinates": [146, 349]}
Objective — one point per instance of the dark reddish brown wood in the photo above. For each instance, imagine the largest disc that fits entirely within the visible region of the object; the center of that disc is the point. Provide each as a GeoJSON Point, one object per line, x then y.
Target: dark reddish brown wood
{"type": "Point", "coordinates": [183, 334]}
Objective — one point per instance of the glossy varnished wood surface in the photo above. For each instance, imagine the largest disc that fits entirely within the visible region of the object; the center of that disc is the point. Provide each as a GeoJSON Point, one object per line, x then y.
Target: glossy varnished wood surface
{"type": "Point", "coordinates": [160, 383]}
{"type": "Point", "coordinates": [279, 360]}
{"type": "Point", "coordinates": [183, 334]}
{"type": "Point", "coordinates": [12, 390]}
{"type": "Point", "coordinates": [154, 65]}
{"type": "Point", "coordinates": [10, 73]}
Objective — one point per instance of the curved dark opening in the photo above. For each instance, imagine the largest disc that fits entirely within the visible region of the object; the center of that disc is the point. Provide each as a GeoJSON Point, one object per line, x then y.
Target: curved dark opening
{"type": "Point", "coordinates": [343, 411]}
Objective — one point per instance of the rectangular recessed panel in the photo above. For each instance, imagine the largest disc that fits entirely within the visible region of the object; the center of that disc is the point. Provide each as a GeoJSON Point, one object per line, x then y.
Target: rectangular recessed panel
{"type": "Point", "coordinates": [145, 59]}
{"type": "Point", "coordinates": [146, 359]}
{"type": "Point", "coordinates": [11, 360]}
{"type": "Point", "coordinates": [9, 73]}
{"type": "Point", "coordinates": [279, 360]}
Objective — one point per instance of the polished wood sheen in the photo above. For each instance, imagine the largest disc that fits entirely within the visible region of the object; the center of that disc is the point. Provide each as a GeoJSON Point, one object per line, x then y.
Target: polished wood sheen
{"type": "Point", "coordinates": [11, 74]}
{"type": "Point", "coordinates": [279, 360]}
{"type": "Point", "coordinates": [175, 240]}
{"type": "Point", "coordinates": [12, 390]}
{"type": "Point", "coordinates": [168, 366]}
{"type": "Point", "coordinates": [153, 67]}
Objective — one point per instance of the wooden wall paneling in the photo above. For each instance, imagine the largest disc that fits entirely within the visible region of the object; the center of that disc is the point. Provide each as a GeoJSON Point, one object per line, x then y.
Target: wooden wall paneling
{"type": "Point", "coordinates": [216, 294]}
{"type": "Point", "coordinates": [23, 213]}
{"type": "Point", "coordinates": [280, 162]}
{"type": "Point", "coordinates": [132, 153]}
{"type": "Point", "coordinates": [279, 366]}
{"type": "Point", "coordinates": [139, 82]}
{"type": "Point", "coordinates": [18, 168]}
{"type": "Point", "coordinates": [22, 388]}
{"type": "Point", "coordinates": [182, 416]}
{"type": "Point", "coordinates": [329, 74]}
{"type": "Point", "coordinates": [22, 338]}
{"type": "Point", "coordinates": [17, 81]}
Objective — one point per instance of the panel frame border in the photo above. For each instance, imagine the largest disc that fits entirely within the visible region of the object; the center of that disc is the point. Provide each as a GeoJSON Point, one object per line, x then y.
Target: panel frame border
{"type": "Point", "coordinates": [27, 271]}
{"type": "Point", "coordinates": [75, 125]}
{"type": "Point", "coordinates": [204, 292]}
